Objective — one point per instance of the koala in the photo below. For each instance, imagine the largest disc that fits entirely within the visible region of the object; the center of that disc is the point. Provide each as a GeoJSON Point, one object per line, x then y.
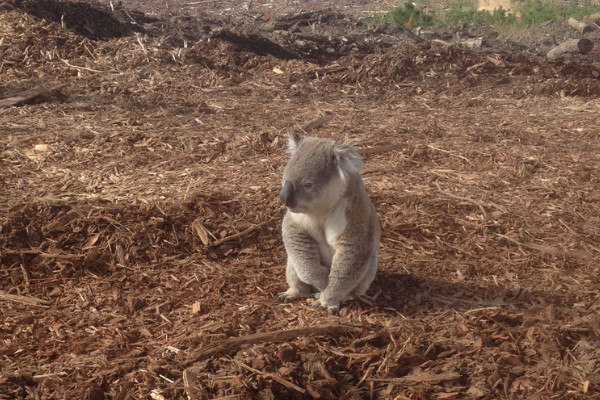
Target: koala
{"type": "Point", "coordinates": [330, 230]}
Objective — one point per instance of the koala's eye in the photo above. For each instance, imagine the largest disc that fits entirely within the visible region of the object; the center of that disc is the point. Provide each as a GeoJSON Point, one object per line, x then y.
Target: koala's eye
{"type": "Point", "coordinates": [308, 185]}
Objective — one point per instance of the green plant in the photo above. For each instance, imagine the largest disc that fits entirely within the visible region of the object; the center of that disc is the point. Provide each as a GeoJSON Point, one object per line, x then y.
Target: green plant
{"type": "Point", "coordinates": [461, 11]}
{"type": "Point", "coordinates": [539, 11]}
{"type": "Point", "coordinates": [378, 19]}
{"type": "Point", "coordinates": [466, 11]}
{"type": "Point", "coordinates": [530, 12]}
{"type": "Point", "coordinates": [401, 15]}
{"type": "Point", "coordinates": [501, 17]}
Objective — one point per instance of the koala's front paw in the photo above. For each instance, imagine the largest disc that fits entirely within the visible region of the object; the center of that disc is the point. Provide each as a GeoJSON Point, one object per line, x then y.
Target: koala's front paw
{"type": "Point", "coordinates": [367, 299]}
{"type": "Point", "coordinates": [289, 295]}
{"type": "Point", "coordinates": [331, 308]}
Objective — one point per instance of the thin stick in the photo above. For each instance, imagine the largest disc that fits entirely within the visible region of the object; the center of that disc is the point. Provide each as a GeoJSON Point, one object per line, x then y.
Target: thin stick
{"type": "Point", "coordinates": [317, 123]}
{"type": "Point", "coordinates": [139, 40]}
{"type": "Point", "coordinates": [79, 68]}
{"type": "Point", "coordinates": [421, 377]}
{"type": "Point", "coordinates": [475, 66]}
{"type": "Point", "coordinates": [193, 3]}
{"type": "Point", "coordinates": [233, 344]}
{"type": "Point", "coordinates": [190, 385]}
{"type": "Point", "coordinates": [275, 377]}
{"type": "Point", "coordinates": [474, 310]}
{"type": "Point", "coordinates": [51, 375]}
{"type": "Point", "coordinates": [29, 300]}
{"type": "Point", "coordinates": [568, 227]}
{"type": "Point", "coordinates": [28, 95]}
{"type": "Point", "coordinates": [467, 199]}
{"type": "Point", "coordinates": [381, 149]}
{"type": "Point", "coordinates": [449, 152]}
{"type": "Point", "coordinates": [238, 235]}
{"type": "Point", "coordinates": [166, 379]}
{"type": "Point", "coordinates": [364, 377]}
{"type": "Point", "coordinates": [547, 248]}
{"type": "Point", "coordinates": [25, 275]}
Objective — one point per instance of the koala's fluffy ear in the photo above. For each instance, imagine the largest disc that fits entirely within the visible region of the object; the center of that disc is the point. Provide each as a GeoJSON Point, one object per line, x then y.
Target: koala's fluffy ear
{"type": "Point", "coordinates": [294, 140]}
{"type": "Point", "coordinates": [347, 158]}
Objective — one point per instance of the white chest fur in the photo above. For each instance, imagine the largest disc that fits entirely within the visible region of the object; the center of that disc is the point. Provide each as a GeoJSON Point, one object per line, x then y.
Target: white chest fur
{"type": "Point", "coordinates": [324, 228]}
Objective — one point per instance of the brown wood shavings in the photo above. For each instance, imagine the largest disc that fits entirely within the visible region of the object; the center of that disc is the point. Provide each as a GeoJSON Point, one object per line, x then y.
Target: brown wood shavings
{"type": "Point", "coordinates": [140, 242]}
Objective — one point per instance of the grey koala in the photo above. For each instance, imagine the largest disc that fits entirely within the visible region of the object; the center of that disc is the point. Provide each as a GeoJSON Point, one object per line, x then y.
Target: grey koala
{"type": "Point", "coordinates": [330, 230]}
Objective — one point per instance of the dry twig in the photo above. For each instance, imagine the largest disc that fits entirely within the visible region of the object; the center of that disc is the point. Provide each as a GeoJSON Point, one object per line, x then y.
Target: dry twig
{"type": "Point", "coordinates": [78, 67]}
{"type": "Point", "coordinates": [318, 122]}
{"type": "Point", "coordinates": [28, 95]}
{"type": "Point", "coordinates": [461, 198]}
{"type": "Point", "coordinates": [275, 377]}
{"type": "Point", "coordinates": [240, 234]}
{"type": "Point", "coordinates": [420, 377]}
{"type": "Point", "coordinates": [449, 152]}
{"type": "Point", "coordinates": [29, 300]}
{"type": "Point", "coordinates": [381, 149]}
{"type": "Point", "coordinates": [235, 343]}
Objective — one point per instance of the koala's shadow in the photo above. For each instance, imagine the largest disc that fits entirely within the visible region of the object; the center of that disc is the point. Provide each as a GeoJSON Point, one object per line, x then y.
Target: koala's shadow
{"type": "Point", "coordinates": [410, 294]}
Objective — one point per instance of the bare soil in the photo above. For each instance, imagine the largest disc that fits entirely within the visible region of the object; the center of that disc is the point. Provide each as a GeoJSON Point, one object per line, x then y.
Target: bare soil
{"type": "Point", "coordinates": [140, 242]}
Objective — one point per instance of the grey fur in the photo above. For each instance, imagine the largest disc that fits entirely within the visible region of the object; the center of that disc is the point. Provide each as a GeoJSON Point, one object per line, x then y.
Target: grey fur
{"type": "Point", "coordinates": [331, 231]}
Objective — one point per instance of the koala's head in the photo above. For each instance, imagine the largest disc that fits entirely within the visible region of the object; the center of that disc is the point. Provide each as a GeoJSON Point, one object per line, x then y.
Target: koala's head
{"type": "Point", "coordinates": [317, 174]}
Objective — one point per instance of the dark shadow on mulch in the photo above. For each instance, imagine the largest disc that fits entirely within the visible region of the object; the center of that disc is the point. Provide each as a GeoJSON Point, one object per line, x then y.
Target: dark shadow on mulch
{"type": "Point", "coordinates": [408, 294]}
{"type": "Point", "coordinates": [91, 20]}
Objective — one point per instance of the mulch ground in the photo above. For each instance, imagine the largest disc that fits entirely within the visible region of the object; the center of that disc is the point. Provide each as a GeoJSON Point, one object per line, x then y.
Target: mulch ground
{"type": "Point", "coordinates": [140, 241]}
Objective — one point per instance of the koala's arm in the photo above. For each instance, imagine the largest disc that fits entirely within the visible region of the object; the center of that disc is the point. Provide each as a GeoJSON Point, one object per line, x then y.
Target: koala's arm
{"type": "Point", "coordinates": [304, 256]}
{"type": "Point", "coordinates": [349, 265]}
{"type": "Point", "coordinates": [353, 257]}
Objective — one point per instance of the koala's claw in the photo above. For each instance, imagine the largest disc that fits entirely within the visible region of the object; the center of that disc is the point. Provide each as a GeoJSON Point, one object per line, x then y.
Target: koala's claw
{"type": "Point", "coordinates": [288, 296]}
{"type": "Point", "coordinates": [368, 299]}
{"type": "Point", "coordinates": [281, 297]}
{"type": "Point", "coordinates": [333, 310]}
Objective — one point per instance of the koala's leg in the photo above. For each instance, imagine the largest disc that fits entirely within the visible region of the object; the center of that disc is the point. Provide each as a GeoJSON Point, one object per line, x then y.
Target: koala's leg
{"type": "Point", "coordinates": [297, 288]}
{"type": "Point", "coordinates": [304, 272]}
{"type": "Point", "coordinates": [349, 269]}
{"type": "Point", "coordinates": [368, 278]}
{"type": "Point", "coordinates": [371, 270]}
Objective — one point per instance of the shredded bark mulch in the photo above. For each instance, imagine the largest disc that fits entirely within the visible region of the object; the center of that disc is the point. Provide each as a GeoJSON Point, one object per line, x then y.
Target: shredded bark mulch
{"type": "Point", "coordinates": [140, 243]}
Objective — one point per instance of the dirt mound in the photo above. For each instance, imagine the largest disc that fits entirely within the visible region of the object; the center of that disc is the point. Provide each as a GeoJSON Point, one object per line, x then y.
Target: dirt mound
{"type": "Point", "coordinates": [450, 70]}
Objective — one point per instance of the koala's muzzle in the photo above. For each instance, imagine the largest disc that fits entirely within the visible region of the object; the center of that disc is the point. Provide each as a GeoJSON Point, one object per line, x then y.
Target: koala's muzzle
{"type": "Point", "coordinates": [286, 195]}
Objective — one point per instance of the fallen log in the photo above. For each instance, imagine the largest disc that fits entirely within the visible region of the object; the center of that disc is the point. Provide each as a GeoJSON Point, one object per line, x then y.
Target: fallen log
{"type": "Point", "coordinates": [472, 43]}
{"type": "Point", "coordinates": [580, 26]}
{"type": "Point", "coordinates": [581, 46]}
{"type": "Point", "coordinates": [593, 20]}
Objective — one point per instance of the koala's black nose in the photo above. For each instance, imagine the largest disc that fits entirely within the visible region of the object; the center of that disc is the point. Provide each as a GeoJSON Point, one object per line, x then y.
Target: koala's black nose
{"type": "Point", "coordinates": [286, 195]}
